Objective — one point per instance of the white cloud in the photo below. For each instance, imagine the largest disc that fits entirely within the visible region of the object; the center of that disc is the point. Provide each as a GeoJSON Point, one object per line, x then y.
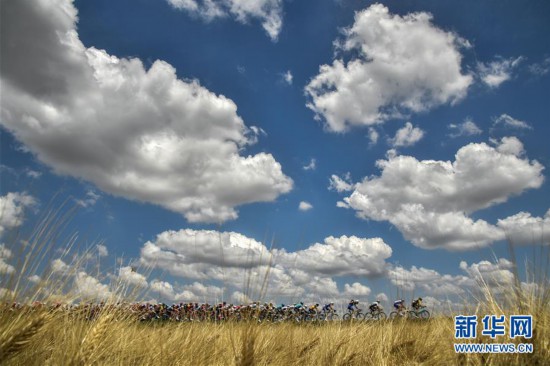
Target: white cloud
{"type": "Point", "coordinates": [523, 228]}
{"type": "Point", "coordinates": [35, 279]}
{"type": "Point", "coordinates": [89, 287]}
{"type": "Point", "coordinates": [59, 266]}
{"type": "Point", "coordinates": [427, 281]}
{"type": "Point", "coordinates": [430, 201]}
{"type": "Point", "coordinates": [5, 253]}
{"type": "Point", "coordinates": [341, 256]}
{"type": "Point", "coordinates": [102, 250]}
{"type": "Point", "coordinates": [90, 200]}
{"type": "Point", "coordinates": [496, 72]}
{"type": "Point", "coordinates": [356, 290]}
{"type": "Point", "coordinates": [339, 184]}
{"type": "Point", "coordinates": [312, 164]}
{"type": "Point", "coordinates": [490, 274]}
{"type": "Point", "coordinates": [141, 134]}
{"type": "Point", "coordinates": [382, 297]}
{"type": "Point", "coordinates": [407, 136]}
{"type": "Point", "coordinates": [304, 206]}
{"type": "Point", "coordinates": [247, 265]}
{"type": "Point", "coordinates": [130, 276]}
{"type": "Point", "coordinates": [268, 12]}
{"type": "Point", "coordinates": [373, 136]}
{"type": "Point", "coordinates": [507, 121]}
{"type": "Point", "coordinates": [33, 173]}
{"type": "Point", "coordinates": [541, 68]}
{"type": "Point", "coordinates": [404, 64]}
{"type": "Point", "coordinates": [163, 289]}
{"type": "Point", "coordinates": [466, 128]}
{"type": "Point", "coordinates": [6, 268]}
{"type": "Point", "coordinates": [287, 77]}
{"type": "Point", "coordinates": [12, 209]}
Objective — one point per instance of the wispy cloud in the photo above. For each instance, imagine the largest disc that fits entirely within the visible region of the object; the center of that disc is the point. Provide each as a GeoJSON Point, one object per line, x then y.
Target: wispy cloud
{"type": "Point", "coordinates": [466, 128]}
{"type": "Point", "coordinates": [496, 72]}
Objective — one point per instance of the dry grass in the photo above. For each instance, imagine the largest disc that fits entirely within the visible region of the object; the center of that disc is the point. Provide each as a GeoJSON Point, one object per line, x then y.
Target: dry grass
{"type": "Point", "coordinates": [113, 341]}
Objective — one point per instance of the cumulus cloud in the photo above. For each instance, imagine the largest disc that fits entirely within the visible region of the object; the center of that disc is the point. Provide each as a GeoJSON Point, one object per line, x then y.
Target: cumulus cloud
{"type": "Point", "coordinates": [430, 201]}
{"type": "Point", "coordinates": [59, 266]}
{"type": "Point", "coordinates": [219, 256]}
{"type": "Point", "coordinates": [403, 64]}
{"type": "Point", "coordinates": [466, 128]}
{"type": "Point", "coordinates": [268, 12]}
{"type": "Point", "coordinates": [341, 256]}
{"type": "Point", "coordinates": [304, 206]}
{"type": "Point", "coordinates": [356, 290]}
{"type": "Point", "coordinates": [102, 250]}
{"type": "Point", "coordinates": [523, 228]}
{"type": "Point", "coordinates": [141, 134]}
{"type": "Point", "coordinates": [496, 72]}
{"type": "Point", "coordinates": [90, 288]}
{"type": "Point", "coordinates": [429, 281]}
{"type": "Point", "coordinates": [407, 136]}
{"type": "Point", "coordinates": [490, 274]}
{"type": "Point", "coordinates": [12, 209]}
{"type": "Point", "coordinates": [5, 253]}
{"type": "Point", "coordinates": [130, 276]}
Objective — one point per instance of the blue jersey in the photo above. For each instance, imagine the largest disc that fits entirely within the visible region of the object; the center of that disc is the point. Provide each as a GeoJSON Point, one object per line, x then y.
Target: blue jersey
{"type": "Point", "coordinates": [352, 306]}
{"type": "Point", "coordinates": [327, 307]}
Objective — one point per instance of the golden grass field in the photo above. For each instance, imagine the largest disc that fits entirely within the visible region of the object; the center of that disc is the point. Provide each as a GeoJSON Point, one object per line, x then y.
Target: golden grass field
{"type": "Point", "coordinates": [40, 338]}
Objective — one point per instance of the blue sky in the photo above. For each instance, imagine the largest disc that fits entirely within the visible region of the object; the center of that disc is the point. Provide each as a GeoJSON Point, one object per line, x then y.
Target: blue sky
{"type": "Point", "coordinates": [377, 146]}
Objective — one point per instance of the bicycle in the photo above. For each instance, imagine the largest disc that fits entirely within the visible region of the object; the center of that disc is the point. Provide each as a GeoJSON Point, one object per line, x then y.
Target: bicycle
{"type": "Point", "coordinates": [353, 314]}
{"type": "Point", "coordinates": [376, 315]}
{"type": "Point", "coordinates": [420, 313]}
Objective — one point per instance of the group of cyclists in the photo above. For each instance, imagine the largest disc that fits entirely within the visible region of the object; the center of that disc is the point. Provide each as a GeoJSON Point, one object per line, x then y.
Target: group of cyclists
{"type": "Point", "coordinates": [224, 311]}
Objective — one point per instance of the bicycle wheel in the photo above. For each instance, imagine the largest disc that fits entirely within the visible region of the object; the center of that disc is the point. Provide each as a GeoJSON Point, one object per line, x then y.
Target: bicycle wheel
{"type": "Point", "coordinates": [393, 315]}
{"type": "Point", "coordinates": [334, 317]}
{"type": "Point", "coordinates": [424, 314]}
{"type": "Point", "coordinates": [368, 316]}
{"type": "Point", "coordinates": [380, 316]}
{"type": "Point", "coordinates": [346, 317]}
{"type": "Point", "coordinates": [359, 316]}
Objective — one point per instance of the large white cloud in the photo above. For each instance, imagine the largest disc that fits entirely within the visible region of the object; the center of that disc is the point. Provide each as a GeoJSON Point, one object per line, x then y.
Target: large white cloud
{"type": "Point", "coordinates": [250, 267]}
{"type": "Point", "coordinates": [492, 274]}
{"type": "Point", "coordinates": [341, 256]}
{"type": "Point", "coordinates": [428, 281]}
{"type": "Point", "coordinates": [523, 228]}
{"type": "Point", "coordinates": [12, 209]}
{"type": "Point", "coordinates": [430, 201]}
{"type": "Point", "coordinates": [90, 288]}
{"type": "Point", "coordinates": [269, 12]}
{"type": "Point", "coordinates": [403, 64]}
{"type": "Point", "coordinates": [142, 134]}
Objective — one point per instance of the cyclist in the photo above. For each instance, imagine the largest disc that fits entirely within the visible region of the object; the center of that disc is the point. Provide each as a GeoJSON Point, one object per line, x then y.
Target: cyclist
{"type": "Point", "coordinates": [352, 306]}
{"type": "Point", "coordinates": [328, 308]}
{"type": "Point", "coordinates": [314, 308]}
{"type": "Point", "coordinates": [374, 306]}
{"type": "Point", "coordinates": [399, 305]}
{"type": "Point", "coordinates": [417, 304]}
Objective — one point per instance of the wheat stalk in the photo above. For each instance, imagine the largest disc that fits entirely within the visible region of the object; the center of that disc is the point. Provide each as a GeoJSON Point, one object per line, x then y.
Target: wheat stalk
{"type": "Point", "coordinates": [90, 343]}
{"type": "Point", "coordinates": [21, 338]}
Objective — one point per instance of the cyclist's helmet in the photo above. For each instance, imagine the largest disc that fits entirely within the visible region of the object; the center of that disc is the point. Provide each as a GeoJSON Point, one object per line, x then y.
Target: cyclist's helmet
{"type": "Point", "coordinates": [420, 298]}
